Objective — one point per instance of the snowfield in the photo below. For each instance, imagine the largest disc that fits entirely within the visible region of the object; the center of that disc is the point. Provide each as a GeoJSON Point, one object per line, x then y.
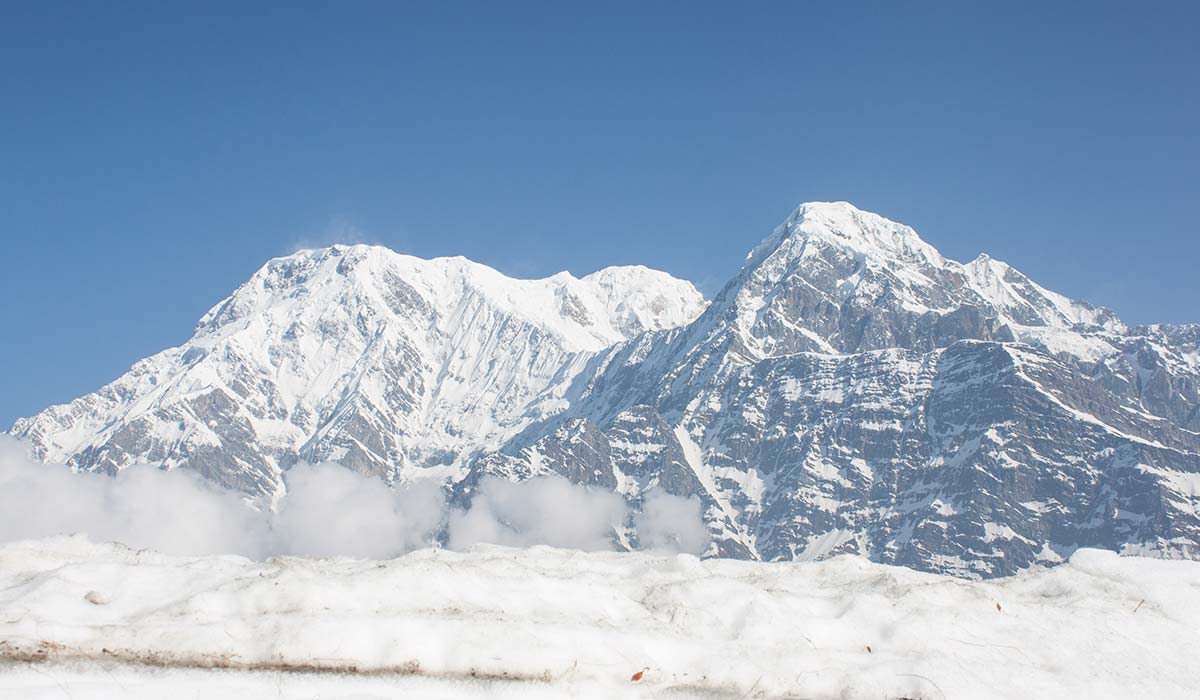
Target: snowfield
{"type": "Point", "coordinates": [82, 620]}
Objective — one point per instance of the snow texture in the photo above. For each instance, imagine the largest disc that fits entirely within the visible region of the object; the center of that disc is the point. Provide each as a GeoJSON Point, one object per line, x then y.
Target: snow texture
{"type": "Point", "coordinates": [79, 620]}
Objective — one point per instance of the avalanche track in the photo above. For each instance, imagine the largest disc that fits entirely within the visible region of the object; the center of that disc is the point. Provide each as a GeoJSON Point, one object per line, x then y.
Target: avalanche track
{"type": "Point", "coordinates": [81, 620]}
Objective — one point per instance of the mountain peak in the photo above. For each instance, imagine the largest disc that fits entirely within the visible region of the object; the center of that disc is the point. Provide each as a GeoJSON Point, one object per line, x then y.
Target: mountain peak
{"type": "Point", "coordinates": [834, 278]}
{"type": "Point", "coordinates": [842, 225]}
{"type": "Point", "coordinates": [865, 232]}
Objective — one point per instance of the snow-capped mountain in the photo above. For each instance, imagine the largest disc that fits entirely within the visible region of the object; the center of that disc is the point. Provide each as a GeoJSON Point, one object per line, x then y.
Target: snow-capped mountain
{"type": "Point", "coordinates": [853, 390]}
{"type": "Point", "coordinates": [386, 363]}
{"type": "Point", "coordinates": [849, 390]}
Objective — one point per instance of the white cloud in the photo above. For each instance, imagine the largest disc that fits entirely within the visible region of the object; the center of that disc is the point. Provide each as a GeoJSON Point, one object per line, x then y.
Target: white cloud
{"type": "Point", "coordinates": [327, 510]}
{"type": "Point", "coordinates": [331, 511]}
{"type": "Point", "coordinates": [543, 510]}
{"type": "Point", "coordinates": [671, 523]}
{"type": "Point", "coordinates": [174, 512]}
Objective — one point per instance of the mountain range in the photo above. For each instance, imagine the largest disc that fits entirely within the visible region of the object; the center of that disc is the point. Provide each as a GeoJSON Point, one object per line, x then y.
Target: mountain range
{"type": "Point", "coordinates": [849, 390]}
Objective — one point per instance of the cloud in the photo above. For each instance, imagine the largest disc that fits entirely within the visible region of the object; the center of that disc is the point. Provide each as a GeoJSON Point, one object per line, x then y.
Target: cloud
{"type": "Point", "coordinates": [544, 510]}
{"type": "Point", "coordinates": [329, 510]}
{"type": "Point", "coordinates": [143, 507]}
{"type": "Point", "coordinates": [326, 510]}
{"type": "Point", "coordinates": [671, 523]}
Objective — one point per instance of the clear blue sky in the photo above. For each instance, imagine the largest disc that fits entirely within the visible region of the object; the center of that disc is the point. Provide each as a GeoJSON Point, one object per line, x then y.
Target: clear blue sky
{"type": "Point", "coordinates": [153, 156]}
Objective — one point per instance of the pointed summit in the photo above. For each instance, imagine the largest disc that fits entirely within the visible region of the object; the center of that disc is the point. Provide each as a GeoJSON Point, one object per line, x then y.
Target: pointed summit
{"type": "Point", "coordinates": [842, 225]}
{"type": "Point", "coordinates": [834, 279]}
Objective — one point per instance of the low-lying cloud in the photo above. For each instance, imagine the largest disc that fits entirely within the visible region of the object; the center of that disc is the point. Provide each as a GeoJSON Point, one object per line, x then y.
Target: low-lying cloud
{"type": "Point", "coordinates": [327, 510]}
{"type": "Point", "coordinates": [143, 507]}
{"type": "Point", "coordinates": [543, 510]}
{"type": "Point", "coordinates": [671, 523]}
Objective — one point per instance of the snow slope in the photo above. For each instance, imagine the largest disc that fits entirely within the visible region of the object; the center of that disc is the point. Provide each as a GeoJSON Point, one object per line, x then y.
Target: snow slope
{"type": "Point", "coordinates": [78, 619]}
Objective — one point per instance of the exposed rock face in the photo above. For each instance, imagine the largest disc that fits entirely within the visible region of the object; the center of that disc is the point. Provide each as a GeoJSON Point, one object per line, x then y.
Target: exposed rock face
{"type": "Point", "coordinates": [852, 390]}
{"type": "Point", "coordinates": [849, 390]}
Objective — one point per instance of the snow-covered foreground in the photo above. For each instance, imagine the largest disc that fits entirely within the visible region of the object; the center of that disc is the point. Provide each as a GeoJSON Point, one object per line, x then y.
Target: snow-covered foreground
{"type": "Point", "coordinates": [82, 620]}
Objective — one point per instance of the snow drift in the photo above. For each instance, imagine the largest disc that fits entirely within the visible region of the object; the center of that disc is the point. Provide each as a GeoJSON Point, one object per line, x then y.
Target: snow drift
{"type": "Point", "coordinates": [77, 618]}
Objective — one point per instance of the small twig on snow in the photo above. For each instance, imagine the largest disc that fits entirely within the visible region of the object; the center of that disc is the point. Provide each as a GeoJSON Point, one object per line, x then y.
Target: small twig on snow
{"type": "Point", "coordinates": [927, 680]}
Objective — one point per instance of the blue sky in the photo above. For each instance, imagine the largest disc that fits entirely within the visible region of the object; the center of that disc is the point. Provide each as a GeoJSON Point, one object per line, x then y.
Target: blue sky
{"type": "Point", "coordinates": [153, 156]}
